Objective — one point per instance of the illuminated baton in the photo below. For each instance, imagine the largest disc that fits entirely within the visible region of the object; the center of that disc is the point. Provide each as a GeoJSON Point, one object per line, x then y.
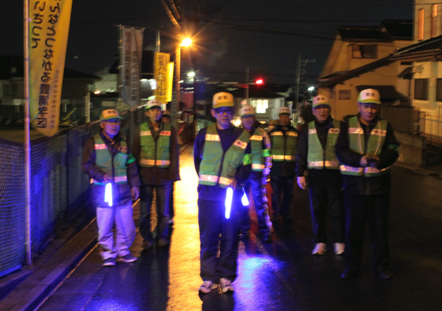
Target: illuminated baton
{"type": "Point", "coordinates": [228, 202]}
{"type": "Point", "coordinates": [108, 194]}
{"type": "Point", "coordinates": [244, 199]}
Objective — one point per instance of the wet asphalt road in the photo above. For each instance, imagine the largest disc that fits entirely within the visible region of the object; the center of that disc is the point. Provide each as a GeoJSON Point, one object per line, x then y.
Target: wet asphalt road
{"type": "Point", "coordinates": [281, 275]}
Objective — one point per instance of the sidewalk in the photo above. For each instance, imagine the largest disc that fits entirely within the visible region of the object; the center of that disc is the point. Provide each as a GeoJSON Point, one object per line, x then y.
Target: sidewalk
{"type": "Point", "coordinates": [28, 288]}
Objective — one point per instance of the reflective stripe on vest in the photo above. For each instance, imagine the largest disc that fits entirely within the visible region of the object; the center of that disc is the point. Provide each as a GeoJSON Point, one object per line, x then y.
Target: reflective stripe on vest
{"type": "Point", "coordinates": [217, 166]}
{"type": "Point", "coordinates": [317, 157]}
{"type": "Point", "coordinates": [155, 152]}
{"type": "Point", "coordinates": [357, 144]}
{"type": "Point", "coordinates": [257, 153]}
{"type": "Point", "coordinates": [154, 162]}
{"type": "Point", "coordinates": [284, 145]}
{"type": "Point", "coordinates": [103, 159]}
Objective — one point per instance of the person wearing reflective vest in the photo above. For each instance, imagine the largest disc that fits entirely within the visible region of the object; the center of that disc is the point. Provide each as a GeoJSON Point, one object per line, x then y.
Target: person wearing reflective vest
{"type": "Point", "coordinates": [107, 160]}
{"type": "Point", "coordinates": [366, 148]}
{"type": "Point", "coordinates": [316, 153]}
{"type": "Point", "coordinates": [261, 163]}
{"type": "Point", "coordinates": [156, 149]}
{"type": "Point", "coordinates": [284, 138]}
{"type": "Point", "coordinates": [221, 161]}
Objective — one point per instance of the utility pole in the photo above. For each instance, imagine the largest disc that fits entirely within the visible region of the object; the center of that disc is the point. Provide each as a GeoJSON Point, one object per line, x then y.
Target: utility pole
{"type": "Point", "coordinates": [300, 62]}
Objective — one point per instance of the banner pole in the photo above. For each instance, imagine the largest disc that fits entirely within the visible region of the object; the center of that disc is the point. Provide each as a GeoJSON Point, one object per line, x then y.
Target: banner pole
{"type": "Point", "coordinates": [27, 145]}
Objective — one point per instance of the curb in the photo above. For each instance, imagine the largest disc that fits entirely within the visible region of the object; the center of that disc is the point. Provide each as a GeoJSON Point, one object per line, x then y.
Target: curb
{"type": "Point", "coordinates": [418, 170]}
{"type": "Point", "coordinates": [43, 280]}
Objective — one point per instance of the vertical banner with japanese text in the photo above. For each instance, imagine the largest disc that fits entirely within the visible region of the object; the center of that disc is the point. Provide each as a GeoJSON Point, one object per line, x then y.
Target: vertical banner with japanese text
{"type": "Point", "coordinates": [48, 36]}
{"type": "Point", "coordinates": [169, 81]}
{"type": "Point", "coordinates": [131, 54]}
{"type": "Point", "coordinates": [160, 75]}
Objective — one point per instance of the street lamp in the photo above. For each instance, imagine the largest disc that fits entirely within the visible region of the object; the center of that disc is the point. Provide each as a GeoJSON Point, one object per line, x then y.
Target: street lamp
{"type": "Point", "coordinates": [311, 88]}
{"type": "Point", "coordinates": [185, 43]}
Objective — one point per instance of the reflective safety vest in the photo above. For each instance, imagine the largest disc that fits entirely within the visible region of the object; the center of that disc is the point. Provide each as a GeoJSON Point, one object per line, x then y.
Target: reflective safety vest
{"type": "Point", "coordinates": [258, 154]}
{"type": "Point", "coordinates": [284, 145]}
{"type": "Point", "coordinates": [155, 152]}
{"type": "Point", "coordinates": [217, 166]}
{"type": "Point", "coordinates": [357, 144]}
{"type": "Point", "coordinates": [116, 167]}
{"type": "Point", "coordinates": [317, 157]}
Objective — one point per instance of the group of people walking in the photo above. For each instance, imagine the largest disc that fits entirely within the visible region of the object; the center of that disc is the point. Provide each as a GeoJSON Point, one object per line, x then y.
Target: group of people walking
{"type": "Point", "coordinates": [334, 160]}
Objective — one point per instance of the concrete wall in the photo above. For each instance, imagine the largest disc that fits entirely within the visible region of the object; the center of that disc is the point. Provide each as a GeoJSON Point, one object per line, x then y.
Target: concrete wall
{"type": "Point", "coordinates": [412, 148]}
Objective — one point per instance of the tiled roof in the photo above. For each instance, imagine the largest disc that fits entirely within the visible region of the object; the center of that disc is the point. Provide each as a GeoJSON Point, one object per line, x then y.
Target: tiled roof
{"type": "Point", "coordinates": [430, 45]}
{"type": "Point", "coordinates": [399, 29]}
{"type": "Point", "coordinates": [349, 33]}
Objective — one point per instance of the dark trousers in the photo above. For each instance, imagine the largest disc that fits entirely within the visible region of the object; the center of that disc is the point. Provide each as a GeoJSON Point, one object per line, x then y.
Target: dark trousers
{"type": "Point", "coordinates": [259, 197]}
{"type": "Point", "coordinates": [284, 186]}
{"type": "Point", "coordinates": [212, 224]}
{"type": "Point", "coordinates": [325, 189]}
{"type": "Point", "coordinates": [360, 209]}
{"type": "Point", "coordinates": [162, 209]}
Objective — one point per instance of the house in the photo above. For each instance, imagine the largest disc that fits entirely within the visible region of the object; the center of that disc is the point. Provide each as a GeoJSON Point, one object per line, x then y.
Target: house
{"type": "Point", "coordinates": [75, 87]}
{"type": "Point", "coordinates": [360, 58]}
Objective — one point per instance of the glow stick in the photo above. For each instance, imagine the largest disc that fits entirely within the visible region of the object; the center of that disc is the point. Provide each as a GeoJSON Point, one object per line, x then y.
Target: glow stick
{"type": "Point", "coordinates": [245, 199]}
{"type": "Point", "coordinates": [228, 203]}
{"type": "Point", "coordinates": [108, 194]}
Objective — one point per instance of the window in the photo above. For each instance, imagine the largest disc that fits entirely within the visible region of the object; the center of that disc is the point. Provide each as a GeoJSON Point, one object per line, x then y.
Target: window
{"type": "Point", "coordinates": [421, 89]}
{"type": "Point", "coordinates": [439, 90]}
{"type": "Point", "coordinates": [14, 89]}
{"type": "Point", "coordinates": [433, 20]}
{"type": "Point", "coordinates": [365, 51]}
{"type": "Point", "coordinates": [420, 32]}
{"type": "Point", "coordinates": [6, 90]}
{"type": "Point", "coordinates": [261, 105]}
{"type": "Point", "coordinates": [344, 94]}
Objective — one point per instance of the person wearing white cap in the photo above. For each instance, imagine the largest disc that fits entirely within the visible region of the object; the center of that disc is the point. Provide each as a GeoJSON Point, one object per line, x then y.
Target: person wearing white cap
{"type": "Point", "coordinates": [366, 148]}
{"type": "Point", "coordinates": [221, 162]}
{"type": "Point", "coordinates": [156, 148]}
{"type": "Point", "coordinates": [316, 153]}
{"type": "Point", "coordinates": [284, 138]}
{"type": "Point", "coordinates": [109, 163]}
{"type": "Point", "coordinates": [261, 163]}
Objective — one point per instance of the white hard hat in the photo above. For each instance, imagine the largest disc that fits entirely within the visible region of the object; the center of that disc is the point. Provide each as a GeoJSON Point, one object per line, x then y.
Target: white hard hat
{"type": "Point", "coordinates": [320, 100]}
{"type": "Point", "coordinates": [371, 96]}
{"type": "Point", "coordinates": [284, 110]}
{"type": "Point", "coordinates": [223, 99]}
{"type": "Point", "coordinates": [153, 103]}
{"type": "Point", "coordinates": [247, 110]}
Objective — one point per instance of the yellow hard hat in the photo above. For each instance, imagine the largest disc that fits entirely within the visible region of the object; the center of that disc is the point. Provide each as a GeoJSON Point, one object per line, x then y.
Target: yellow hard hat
{"type": "Point", "coordinates": [223, 99]}
{"type": "Point", "coordinates": [371, 96]}
{"type": "Point", "coordinates": [320, 100]}
{"type": "Point", "coordinates": [109, 114]}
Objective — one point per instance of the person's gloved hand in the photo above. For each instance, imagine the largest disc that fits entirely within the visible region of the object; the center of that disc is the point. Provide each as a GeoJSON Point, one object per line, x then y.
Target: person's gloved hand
{"type": "Point", "coordinates": [364, 161]}
{"type": "Point", "coordinates": [107, 178]}
{"type": "Point", "coordinates": [301, 182]}
{"type": "Point", "coordinates": [372, 160]}
{"type": "Point", "coordinates": [135, 193]}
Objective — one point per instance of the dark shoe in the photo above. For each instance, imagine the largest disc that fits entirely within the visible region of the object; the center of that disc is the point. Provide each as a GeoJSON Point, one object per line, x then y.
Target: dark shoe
{"type": "Point", "coordinates": [384, 274]}
{"type": "Point", "coordinates": [147, 245]}
{"type": "Point", "coordinates": [349, 274]}
{"type": "Point", "coordinates": [163, 243]}
{"type": "Point", "coordinates": [244, 234]}
{"type": "Point", "coordinates": [287, 218]}
{"type": "Point", "coordinates": [266, 238]}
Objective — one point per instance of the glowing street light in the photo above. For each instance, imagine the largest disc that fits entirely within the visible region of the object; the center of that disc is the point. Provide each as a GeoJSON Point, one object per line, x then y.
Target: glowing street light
{"type": "Point", "coordinates": [186, 42]}
{"type": "Point", "coordinates": [191, 74]}
{"type": "Point", "coordinates": [259, 81]}
{"type": "Point", "coordinates": [311, 88]}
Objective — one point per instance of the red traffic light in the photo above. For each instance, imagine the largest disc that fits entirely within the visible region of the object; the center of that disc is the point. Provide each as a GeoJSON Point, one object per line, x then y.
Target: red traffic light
{"type": "Point", "coordinates": [259, 81]}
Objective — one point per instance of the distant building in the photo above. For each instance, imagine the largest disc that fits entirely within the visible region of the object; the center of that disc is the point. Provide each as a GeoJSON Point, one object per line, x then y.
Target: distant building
{"type": "Point", "coordinates": [360, 58]}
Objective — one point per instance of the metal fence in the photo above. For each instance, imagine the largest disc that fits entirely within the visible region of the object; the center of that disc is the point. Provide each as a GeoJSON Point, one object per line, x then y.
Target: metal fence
{"type": "Point", "coordinates": [59, 188]}
{"type": "Point", "coordinates": [402, 118]}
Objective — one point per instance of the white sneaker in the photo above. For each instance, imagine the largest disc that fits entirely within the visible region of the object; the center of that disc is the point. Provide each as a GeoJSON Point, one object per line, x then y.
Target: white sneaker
{"type": "Point", "coordinates": [207, 287]}
{"type": "Point", "coordinates": [320, 249]}
{"type": "Point", "coordinates": [339, 248]}
{"type": "Point", "coordinates": [226, 285]}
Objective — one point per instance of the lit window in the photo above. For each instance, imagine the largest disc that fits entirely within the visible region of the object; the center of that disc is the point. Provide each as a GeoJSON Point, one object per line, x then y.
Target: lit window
{"type": "Point", "coordinates": [433, 20]}
{"type": "Point", "coordinates": [261, 105]}
{"type": "Point", "coordinates": [421, 24]}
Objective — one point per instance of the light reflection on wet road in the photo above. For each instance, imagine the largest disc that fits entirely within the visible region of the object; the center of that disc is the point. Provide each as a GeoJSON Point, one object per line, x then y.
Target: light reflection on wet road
{"type": "Point", "coordinates": [281, 275]}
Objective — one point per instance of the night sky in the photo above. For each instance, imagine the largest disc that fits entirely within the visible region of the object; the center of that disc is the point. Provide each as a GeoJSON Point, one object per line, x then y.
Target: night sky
{"type": "Point", "coordinates": [265, 35]}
